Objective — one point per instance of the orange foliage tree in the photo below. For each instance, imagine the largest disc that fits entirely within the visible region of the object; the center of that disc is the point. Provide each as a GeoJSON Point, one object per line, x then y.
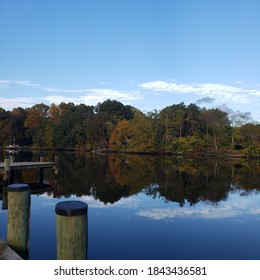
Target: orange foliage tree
{"type": "Point", "coordinates": [120, 136]}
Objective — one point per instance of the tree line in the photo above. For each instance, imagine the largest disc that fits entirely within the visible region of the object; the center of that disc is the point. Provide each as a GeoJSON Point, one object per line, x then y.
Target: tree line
{"type": "Point", "coordinates": [111, 125]}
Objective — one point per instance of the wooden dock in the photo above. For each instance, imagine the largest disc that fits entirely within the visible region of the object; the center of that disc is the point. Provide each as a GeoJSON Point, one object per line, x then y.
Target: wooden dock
{"type": "Point", "coordinates": [6, 253]}
{"type": "Point", "coordinates": [24, 165]}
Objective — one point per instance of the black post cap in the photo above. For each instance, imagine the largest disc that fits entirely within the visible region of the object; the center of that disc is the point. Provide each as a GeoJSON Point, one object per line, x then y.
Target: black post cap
{"type": "Point", "coordinates": [17, 188]}
{"type": "Point", "coordinates": [71, 208]}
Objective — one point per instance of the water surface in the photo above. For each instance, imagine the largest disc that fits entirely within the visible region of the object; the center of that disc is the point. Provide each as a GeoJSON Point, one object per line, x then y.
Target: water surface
{"type": "Point", "coordinates": [147, 207]}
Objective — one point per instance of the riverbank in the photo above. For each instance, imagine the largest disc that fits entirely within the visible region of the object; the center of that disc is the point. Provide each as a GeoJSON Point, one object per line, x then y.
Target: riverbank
{"type": "Point", "coordinates": [181, 154]}
{"type": "Point", "coordinates": [106, 151]}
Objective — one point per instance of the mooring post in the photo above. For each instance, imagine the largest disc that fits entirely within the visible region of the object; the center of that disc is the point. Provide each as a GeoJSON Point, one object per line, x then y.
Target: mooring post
{"type": "Point", "coordinates": [72, 230]}
{"type": "Point", "coordinates": [7, 165]}
{"type": "Point", "coordinates": [11, 158]}
{"type": "Point", "coordinates": [56, 175]}
{"type": "Point", "coordinates": [6, 177]}
{"type": "Point", "coordinates": [56, 167]}
{"type": "Point", "coordinates": [19, 201]}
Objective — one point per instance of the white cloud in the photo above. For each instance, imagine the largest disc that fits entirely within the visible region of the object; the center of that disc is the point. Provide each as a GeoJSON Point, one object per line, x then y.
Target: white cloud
{"type": "Point", "coordinates": [32, 93]}
{"type": "Point", "coordinates": [210, 90]}
{"type": "Point", "coordinates": [88, 96]}
{"type": "Point", "coordinates": [167, 87]}
{"type": "Point", "coordinates": [6, 83]}
{"type": "Point", "coordinates": [254, 92]}
{"type": "Point", "coordinates": [10, 103]}
{"type": "Point", "coordinates": [49, 89]}
{"type": "Point", "coordinates": [92, 96]}
{"type": "Point", "coordinates": [57, 99]}
{"type": "Point", "coordinates": [104, 93]}
{"type": "Point", "coordinates": [117, 94]}
{"type": "Point", "coordinates": [239, 82]}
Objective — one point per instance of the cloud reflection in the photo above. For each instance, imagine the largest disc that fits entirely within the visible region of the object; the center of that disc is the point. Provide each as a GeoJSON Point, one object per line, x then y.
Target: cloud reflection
{"type": "Point", "coordinates": [235, 206]}
{"type": "Point", "coordinates": [132, 202]}
{"type": "Point", "coordinates": [170, 213]}
{"type": "Point", "coordinates": [202, 211]}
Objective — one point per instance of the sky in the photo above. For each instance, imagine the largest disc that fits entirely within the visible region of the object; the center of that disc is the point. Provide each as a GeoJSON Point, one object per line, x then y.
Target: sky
{"type": "Point", "coordinates": [146, 53]}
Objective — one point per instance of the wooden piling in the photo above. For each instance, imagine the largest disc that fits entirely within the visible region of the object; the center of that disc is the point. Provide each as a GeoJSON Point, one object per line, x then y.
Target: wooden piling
{"type": "Point", "coordinates": [7, 165]}
{"type": "Point", "coordinates": [6, 177]}
{"type": "Point", "coordinates": [18, 218]}
{"type": "Point", "coordinates": [72, 230]}
{"type": "Point", "coordinates": [11, 158]}
{"type": "Point", "coordinates": [56, 161]}
{"type": "Point", "coordinates": [56, 168]}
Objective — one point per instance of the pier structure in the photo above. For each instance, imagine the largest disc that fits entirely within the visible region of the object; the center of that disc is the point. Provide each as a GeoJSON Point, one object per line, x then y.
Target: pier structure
{"type": "Point", "coordinates": [16, 247]}
{"type": "Point", "coordinates": [24, 165]}
{"type": "Point", "coordinates": [6, 253]}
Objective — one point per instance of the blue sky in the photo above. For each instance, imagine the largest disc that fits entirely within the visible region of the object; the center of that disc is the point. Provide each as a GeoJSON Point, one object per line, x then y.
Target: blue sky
{"type": "Point", "coordinates": [145, 53]}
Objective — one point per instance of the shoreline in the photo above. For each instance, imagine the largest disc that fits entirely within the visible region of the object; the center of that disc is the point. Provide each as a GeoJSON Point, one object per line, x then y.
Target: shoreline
{"type": "Point", "coordinates": [105, 151]}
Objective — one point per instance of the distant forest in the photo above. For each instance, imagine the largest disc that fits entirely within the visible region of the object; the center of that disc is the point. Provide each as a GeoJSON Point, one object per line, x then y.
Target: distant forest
{"type": "Point", "coordinates": [112, 126]}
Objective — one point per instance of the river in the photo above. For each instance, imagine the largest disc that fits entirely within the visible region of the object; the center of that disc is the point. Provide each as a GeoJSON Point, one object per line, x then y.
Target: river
{"type": "Point", "coordinates": [148, 207]}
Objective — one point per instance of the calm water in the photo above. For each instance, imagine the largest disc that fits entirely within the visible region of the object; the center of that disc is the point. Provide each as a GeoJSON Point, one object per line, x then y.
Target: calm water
{"type": "Point", "coordinates": [144, 207]}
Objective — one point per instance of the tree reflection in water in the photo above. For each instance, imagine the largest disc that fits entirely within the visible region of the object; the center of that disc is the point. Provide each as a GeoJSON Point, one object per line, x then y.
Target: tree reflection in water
{"type": "Point", "coordinates": [109, 178]}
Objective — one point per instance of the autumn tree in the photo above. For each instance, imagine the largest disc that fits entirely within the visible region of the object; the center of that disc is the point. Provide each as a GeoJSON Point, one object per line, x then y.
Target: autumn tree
{"type": "Point", "coordinates": [135, 135]}
{"type": "Point", "coordinates": [142, 136]}
{"type": "Point", "coordinates": [54, 113]}
{"type": "Point", "coordinates": [35, 121]}
{"type": "Point", "coordinates": [120, 136]}
{"type": "Point", "coordinates": [176, 128]}
{"type": "Point", "coordinates": [35, 115]}
{"type": "Point", "coordinates": [108, 114]}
